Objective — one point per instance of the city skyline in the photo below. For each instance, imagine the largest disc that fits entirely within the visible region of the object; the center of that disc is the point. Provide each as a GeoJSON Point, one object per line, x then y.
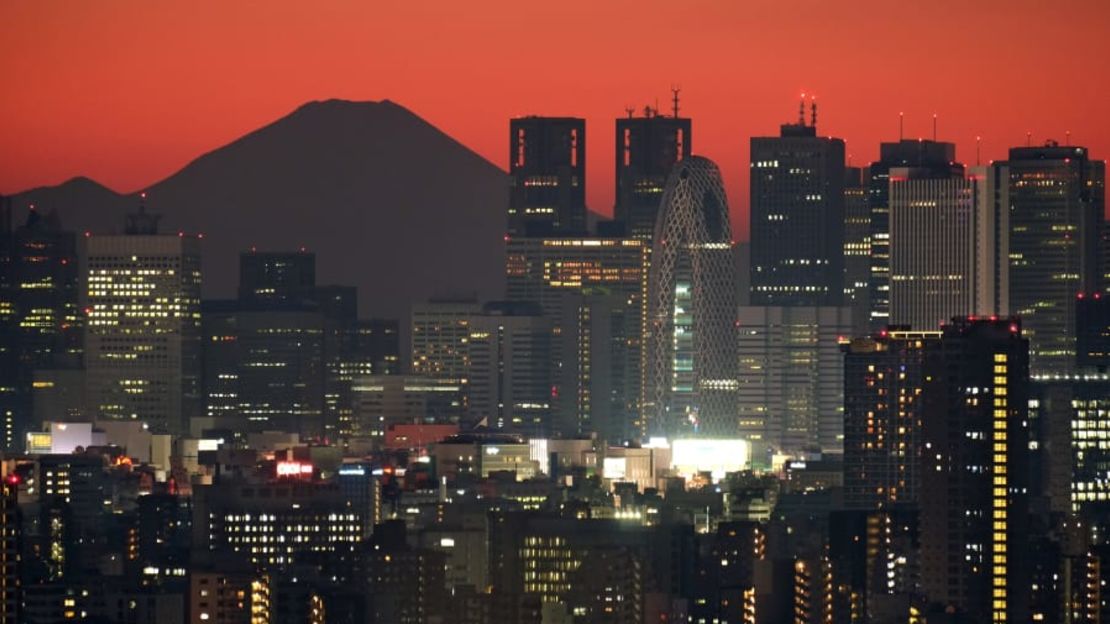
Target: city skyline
{"type": "Point", "coordinates": [164, 108]}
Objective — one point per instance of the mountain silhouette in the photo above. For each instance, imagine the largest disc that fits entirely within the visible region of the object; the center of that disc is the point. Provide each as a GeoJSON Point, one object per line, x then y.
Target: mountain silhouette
{"type": "Point", "coordinates": [388, 202]}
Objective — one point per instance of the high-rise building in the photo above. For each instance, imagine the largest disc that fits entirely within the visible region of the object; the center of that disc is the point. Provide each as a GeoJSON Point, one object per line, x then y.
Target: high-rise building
{"type": "Point", "coordinates": [1070, 448]}
{"type": "Point", "coordinates": [143, 351]}
{"type": "Point", "coordinates": [295, 518]}
{"type": "Point", "coordinates": [1057, 198]}
{"type": "Point", "coordinates": [791, 378]}
{"type": "Point", "coordinates": [40, 321]}
{"type": "Point", "coordinates": [594, 291]}
{"type": "Point", "coordinates": [883, 380]}
{"type": "Point", "coordinates": [381, 401]}
{"type": "Point", "coordinates": [264, 368]}
{"type": "Point", "coordinates": [1092, 328]}
{"type": "Point", "coordinates": [974, 473]}
{"type": "Point", "coordinates": [283, 355]}
{"type": "Point", "coordinates": [939, 160]}
{"type": "Point", "coordinates": [439, 337]}
{"type": "Point", "coordinates": [647, 148]}
{"type": "Point", "coordinates": [857, 248]}
{"type": "Point", "coordinates": [509, 372]}
{"type": "Point", "coordinates": [948, 245]}
{"type": "Point", "coordinates": [690, 364]}
{"type": "Point", "coordinates": [547, 169]}
{"type": "Point", "coordinates": [797, 217]}
{"type": "Point", "coordinates": [276, 277]}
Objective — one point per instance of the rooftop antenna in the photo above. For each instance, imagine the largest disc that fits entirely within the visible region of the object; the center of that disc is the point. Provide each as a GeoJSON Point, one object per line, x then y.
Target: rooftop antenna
{"type": "Point", "coordinates": [1067, 137]}
{"type": "Point", "coordinates": [978, 145]}
{"type": "Point", "coordinates": [802, 111]}
{"type": "Point", "coordinates": [901, 125]}
{"type": "Point", "coordinates": [674, 94]}
{"type": "Point", "coordinates": [631, 110]}
{"type": "Point", "coordinates": [1028, 139]}
{"type": "Point", "coordinates": [934, 127]}
{"type": "Point", "coordinates": [813, 111]}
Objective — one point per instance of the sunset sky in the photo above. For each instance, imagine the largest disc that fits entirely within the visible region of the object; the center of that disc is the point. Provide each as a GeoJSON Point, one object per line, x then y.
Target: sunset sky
{"type": "Point", "coordinates": [128, 91]}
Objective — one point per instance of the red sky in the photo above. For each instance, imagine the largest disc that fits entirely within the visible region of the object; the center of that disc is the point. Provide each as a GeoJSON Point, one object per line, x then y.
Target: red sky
{"type": "Point", "coordinates": [128, 91]}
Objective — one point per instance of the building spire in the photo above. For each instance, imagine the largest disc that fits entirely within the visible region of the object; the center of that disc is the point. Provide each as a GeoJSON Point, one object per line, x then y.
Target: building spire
{"type": "Point", "coordinates": [813, 111]}
{"type": "Point", "coordinates": [674, 95]}
{"type": "Point", "coordinates": [802, 111]}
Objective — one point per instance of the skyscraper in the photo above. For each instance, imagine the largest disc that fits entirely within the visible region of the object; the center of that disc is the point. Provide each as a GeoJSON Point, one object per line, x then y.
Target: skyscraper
{"type": "Point", "coordinates": [883, 380]}
{"type": "Point", "coordinates": [1057, 197]}
{"type": "Point", "coordinates": [974, 479]}
{"type": "Point", "coordinates": [691, 354]}
{"type": "Point", "coordinates": [797, 217]}
{"type": "Point", "coordinates": [948, 245]}
{"type": "Point", "coordinates": [143, 351]}
{"type": "Point", "coordinates": [547, 167]}
{"type": "Point", "coordinates": [439, 337]}
{"type": "Point", "coordinates": [40, 322]}
{"type": "Point", "coordinates": [594, 290]}
{"type": "Point", "coordinates": [857, 248]}
{"type": "Point", "coordinates": [791, 378]}
{"type": "Point", "coordinates": [936, 158]}
{"type": "Point", "coordinates": [647, 148]}
{"type": "Point", "coordinates": [509, 370]}
{"type": "Point", "coordinates": [284, 354]}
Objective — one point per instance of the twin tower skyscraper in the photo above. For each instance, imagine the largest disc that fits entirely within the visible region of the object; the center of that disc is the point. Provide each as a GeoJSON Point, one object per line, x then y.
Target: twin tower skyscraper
{"type": "Point", "coordinates": [675, 202]}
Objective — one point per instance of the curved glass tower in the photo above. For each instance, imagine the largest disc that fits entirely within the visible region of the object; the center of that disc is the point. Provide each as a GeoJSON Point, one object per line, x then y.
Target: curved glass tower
{"type": "Point", "coordinates": [690, 363]}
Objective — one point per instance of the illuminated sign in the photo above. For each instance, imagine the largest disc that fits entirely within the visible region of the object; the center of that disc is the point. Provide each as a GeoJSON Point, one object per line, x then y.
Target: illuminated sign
{"type": "Point", "coordinates": [717, 457]}
{"type": "Point", "coordinates": [615, 468]}
{"type": "Point", "coordinates": [293, 469]}
{"type": "Point", "coordinates": [352, 471]}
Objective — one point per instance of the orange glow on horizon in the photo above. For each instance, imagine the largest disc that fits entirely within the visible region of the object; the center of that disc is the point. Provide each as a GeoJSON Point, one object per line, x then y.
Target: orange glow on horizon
{"type": "Point", "coordinates": [128, 92]}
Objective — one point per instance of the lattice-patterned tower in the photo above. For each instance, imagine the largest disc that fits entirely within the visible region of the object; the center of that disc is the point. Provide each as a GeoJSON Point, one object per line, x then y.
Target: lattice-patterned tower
{"type": "Point", "coordinates": [691, 356]}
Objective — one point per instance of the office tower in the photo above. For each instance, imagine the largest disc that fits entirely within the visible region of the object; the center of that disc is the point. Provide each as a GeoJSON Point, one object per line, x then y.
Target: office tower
{"type": "Point", "coordinates": [791, 378]}
{"type": "Point", "coordinates": [1092, 328]}
{"type": "Point", "coordinates": [381, 401]}
{"type": "Point", "coordinates": [378, 346]}
{"type": "Point", "coordinates": [40, 322]}
{"type": "Point", "coordinates": [974, 482]}
{"type": "Point", "coordinates": [690, 366]}
{"type": "Point", "coordinates": [298, 518]}
{"type": "Point", "coordinates": [594, 290]}
{"type": "Point", "coordinates": [547, 170]}
{"type": "Point", "coordinates": [440, 331]}
{"type": "Point", "coordinates": [284, 354]}
{"type": "Point", "coordinates": [936, 158]}
{"type": "Point", "coordinates": [276, 277]}
{"type": "Point", "coordinates": [883, 380]}
{"type": "Point", "coordinates": [647, 148]}
{"type": "Point", "coordinates": [857, 248]}
{"type": "Point", "coordinates": [264, 368]}
{"type": "Point", "coordinates": [948, 245]}
{"type": "Point", "coordinates": [1057, 198]}
{"type": "Point", "coordinates": [143, 351]}
{"type": "Point", "coordinates": [509, 371]}
{"type": "Point", "coordinates": [797, 217]}
{"type": "Point", "coordinates": [1070, 448]}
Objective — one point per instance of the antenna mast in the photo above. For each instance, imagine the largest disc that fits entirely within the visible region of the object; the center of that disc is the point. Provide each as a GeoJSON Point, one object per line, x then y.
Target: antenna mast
{"type": "Point", "coordinates": [674, 94]}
